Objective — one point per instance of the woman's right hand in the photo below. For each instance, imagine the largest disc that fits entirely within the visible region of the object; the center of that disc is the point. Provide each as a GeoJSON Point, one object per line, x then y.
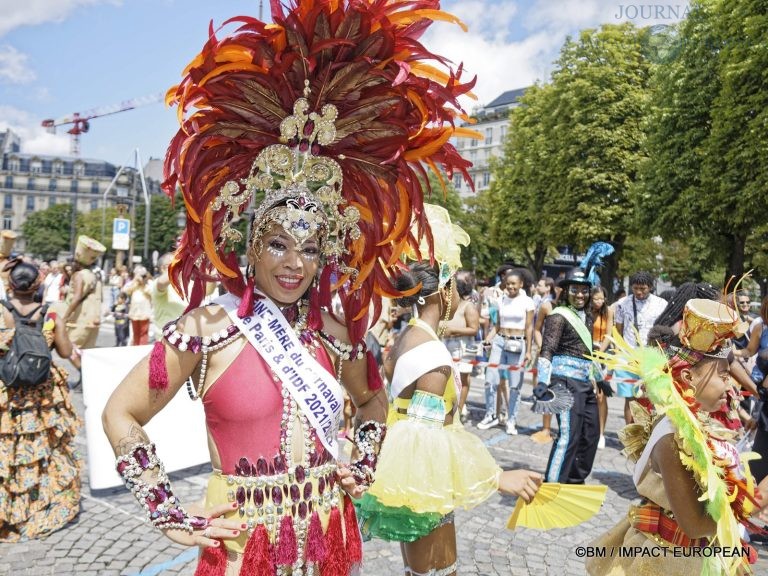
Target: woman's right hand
{"type": "Point", "coordinates": [521, 483]}
{"type": "Point", "coordinates": [218, 528]}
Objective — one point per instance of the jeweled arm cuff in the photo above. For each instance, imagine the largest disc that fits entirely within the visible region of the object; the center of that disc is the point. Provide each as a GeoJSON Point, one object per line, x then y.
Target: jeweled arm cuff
{"type": "Point", "coordinates": [368, 438]}
{"type": "Point", "coordinates": [163, 508]}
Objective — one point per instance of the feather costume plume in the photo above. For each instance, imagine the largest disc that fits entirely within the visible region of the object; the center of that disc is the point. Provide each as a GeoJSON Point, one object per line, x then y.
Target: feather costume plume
{"type": "Point", "coordinates": [396, 109]}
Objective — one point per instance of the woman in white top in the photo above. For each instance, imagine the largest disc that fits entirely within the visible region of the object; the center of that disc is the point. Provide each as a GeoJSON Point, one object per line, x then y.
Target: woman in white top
{"type": "Point", "coordinates": [459, 336]}
{"type": "Point", "coordinates": [510, 341]}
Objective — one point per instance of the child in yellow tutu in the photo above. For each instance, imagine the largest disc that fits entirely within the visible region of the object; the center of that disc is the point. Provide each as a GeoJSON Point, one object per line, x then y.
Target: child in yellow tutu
{"type": "Point", "coordinates": [696, 489]}
{"type": "Point", "coordinates": [429, 465]}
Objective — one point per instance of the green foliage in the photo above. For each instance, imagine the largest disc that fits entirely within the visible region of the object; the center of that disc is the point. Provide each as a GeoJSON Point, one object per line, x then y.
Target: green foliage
{"type": "Point", "coordinates": [572, 158]}
{"type": "Point", "coordinates": [707, 181]}
{"type": "Point", "coordinates": [47, 232]}
{"type": "Point", "coordinates": [163, 229]}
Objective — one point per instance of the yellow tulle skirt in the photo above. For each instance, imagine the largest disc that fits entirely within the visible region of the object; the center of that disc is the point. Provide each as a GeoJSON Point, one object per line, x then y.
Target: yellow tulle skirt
{"type": "Point", "coordinates": [433, 470]}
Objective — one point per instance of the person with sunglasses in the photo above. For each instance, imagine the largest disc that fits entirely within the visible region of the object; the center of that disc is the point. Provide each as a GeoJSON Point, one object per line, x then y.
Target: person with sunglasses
{"type": "Point", "coordinates": [565, 382]}
{"type": "Point", "coordinates": [743, 303]}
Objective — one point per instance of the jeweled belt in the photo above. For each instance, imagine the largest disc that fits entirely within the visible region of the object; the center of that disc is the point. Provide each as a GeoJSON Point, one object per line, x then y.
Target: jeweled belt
{"type": "Point", "coordinates": [298, 492]}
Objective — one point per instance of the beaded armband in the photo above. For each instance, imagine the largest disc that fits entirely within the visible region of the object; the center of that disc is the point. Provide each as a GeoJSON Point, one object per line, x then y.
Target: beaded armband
{"type": "Point", "coordinates": [163, 508]}
{"type": "Point", "coordinates": [368, 438]}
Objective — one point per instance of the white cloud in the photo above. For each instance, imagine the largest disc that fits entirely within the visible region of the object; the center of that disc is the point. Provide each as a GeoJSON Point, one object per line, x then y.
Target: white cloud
{"type": "Point", "coordinates": [14, 67]}
{"type": "Point", "coordinates": [503, 62]}
{"type": "Point", "coordinates": [488, 51]}
{"type": "Point", "coordinates": [18, 13]}
{"type": "Point", "coordinates": [34, 138]}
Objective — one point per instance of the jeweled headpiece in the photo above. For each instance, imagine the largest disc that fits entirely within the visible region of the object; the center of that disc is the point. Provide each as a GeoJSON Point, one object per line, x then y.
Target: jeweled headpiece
{"type": "Point", "coordinates": [335, 108]}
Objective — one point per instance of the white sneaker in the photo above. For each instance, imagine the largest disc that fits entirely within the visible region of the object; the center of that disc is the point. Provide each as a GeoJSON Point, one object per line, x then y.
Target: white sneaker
{"type": "Point", "coordinates": [487, 422]}
{"type": "Point", "coordinates": [601, 442]}
{"type": "Point", "coordinates": [464, 411]}
{"type": "Point", "coordinates": [511, 428]}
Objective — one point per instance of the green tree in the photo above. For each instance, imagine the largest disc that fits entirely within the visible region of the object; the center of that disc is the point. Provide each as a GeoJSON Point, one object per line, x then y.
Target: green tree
{"type": "Point", "coordinates": [47, 232]}
{"type": "Point", "coordinates": [708, 136]}
{"type": "Point", "coordinates": [521, 225]}
{"type": "Point", "coordinates": [601, 84]}
{"type": "Point", "coordinates": [163, 227]}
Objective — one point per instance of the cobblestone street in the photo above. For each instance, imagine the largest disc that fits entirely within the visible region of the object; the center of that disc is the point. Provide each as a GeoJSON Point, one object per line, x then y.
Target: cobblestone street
{"type": "Point", "coordinates": [109, 537]}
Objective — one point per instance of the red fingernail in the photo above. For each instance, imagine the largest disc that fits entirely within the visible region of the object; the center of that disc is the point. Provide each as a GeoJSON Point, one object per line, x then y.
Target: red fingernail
{"type": "Point", "coordinates": [236, 532]}
{"type": "Point", "coordinates": [215, 542]}
{"type": "Point", "coordinates": [243, 526]}
{"type": "Point", "coordinates": [234, 505]}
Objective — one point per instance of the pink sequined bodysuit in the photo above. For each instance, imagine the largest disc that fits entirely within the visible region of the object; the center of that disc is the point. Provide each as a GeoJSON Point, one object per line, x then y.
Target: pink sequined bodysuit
{"type": "Point", "coordinates": [243, 411]}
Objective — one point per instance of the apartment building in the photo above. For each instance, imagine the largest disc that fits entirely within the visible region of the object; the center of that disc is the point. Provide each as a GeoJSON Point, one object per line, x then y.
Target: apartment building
{"type": "Point", "coordinates": [492, 121]}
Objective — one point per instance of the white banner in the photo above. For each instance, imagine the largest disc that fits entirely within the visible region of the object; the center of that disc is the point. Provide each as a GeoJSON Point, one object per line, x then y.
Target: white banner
{"type": "Point", "coordinates": [178, 430]}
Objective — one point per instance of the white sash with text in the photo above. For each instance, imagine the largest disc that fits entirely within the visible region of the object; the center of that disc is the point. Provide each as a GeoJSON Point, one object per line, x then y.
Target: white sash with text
{"type": "Point", "coordinates": [313, 388]}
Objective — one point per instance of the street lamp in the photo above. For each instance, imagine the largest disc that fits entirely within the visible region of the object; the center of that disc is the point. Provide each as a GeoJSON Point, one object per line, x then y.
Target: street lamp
{"type": "Point", "coordinates": [181, 219]}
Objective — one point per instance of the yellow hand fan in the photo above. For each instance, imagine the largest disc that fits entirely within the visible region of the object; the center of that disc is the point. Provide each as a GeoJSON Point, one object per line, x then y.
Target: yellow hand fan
{"type": "Point", "coordinates": [558, 506]}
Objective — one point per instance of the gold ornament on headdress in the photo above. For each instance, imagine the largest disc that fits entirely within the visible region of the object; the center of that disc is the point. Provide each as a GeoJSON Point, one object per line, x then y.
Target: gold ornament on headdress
{"type": "Point", "coordinates": [302, 190]}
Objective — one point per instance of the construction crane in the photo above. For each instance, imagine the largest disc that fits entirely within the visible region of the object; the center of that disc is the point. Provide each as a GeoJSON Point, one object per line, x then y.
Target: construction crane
{"type": "Point", "coordinates": [81, 120]}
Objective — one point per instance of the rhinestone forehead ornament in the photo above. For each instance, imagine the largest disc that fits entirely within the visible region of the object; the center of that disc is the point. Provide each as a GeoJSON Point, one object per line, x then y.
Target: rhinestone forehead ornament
{"type": "Point", "coordinates": [302, 190]}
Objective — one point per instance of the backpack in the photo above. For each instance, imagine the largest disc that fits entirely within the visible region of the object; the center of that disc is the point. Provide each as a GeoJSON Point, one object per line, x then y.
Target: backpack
{"type": "Point", "coordinates": [28, 360]}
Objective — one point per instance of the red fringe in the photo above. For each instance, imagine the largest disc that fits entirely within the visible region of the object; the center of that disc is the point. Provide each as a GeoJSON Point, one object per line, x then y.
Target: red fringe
{"type": "Point", "coordinates": [246, 304]}
{"type": "Point", "coordinates": [374, 377]}
{"type": "Point", "coordinates": [158, 372]}
{"type": "Point", "coordinates": [286, 548]}
{"type": "Point", "coordinates": [316, 550]}
{"type": "Point", "coordinates": [354, 542]}
{"type": "Point", "coordinates": [257, 556]}
{"type": "Point", "coordinates": [213, 562]}
{"type": "Point", "coordinates": [335, 563]}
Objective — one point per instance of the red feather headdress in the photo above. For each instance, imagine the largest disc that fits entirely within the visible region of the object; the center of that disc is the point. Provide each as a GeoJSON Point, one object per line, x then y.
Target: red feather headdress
{"type": "Point", "coordinates": [396, 111]}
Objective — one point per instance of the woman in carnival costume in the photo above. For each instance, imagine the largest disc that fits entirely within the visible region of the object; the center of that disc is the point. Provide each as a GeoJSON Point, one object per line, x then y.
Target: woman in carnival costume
{"type": "Point", "coordinates": [39, 464]}
{"type": "Point", "coordinates": [322, 122]}
{"type": "Point", "coordinates": [430, 465]}
{"type": "Point", "coordinates": [696, 489]}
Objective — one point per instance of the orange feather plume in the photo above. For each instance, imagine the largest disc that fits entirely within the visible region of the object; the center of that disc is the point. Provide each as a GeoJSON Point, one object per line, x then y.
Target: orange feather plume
{"type": "Point", "coordinates": [397, 108]}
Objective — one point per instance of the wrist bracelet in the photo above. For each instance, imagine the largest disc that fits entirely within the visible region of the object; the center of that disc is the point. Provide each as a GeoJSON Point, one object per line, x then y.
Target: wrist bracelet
{"type": "Point", "coordinates": [368, 438]}
{"type": "Point", "coordinates": [163, 508]}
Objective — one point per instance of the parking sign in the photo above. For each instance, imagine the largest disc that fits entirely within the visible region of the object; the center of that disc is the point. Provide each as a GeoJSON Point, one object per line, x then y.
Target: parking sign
{"type": "Point", "coordinates": [121, 234]}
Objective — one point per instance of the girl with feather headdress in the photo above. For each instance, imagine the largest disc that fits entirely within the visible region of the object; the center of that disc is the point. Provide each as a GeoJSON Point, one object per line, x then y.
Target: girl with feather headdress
{"type": "Point", "coordinates": [430, 465]}
{"type": "Point", "coordinates": [696, 488]}
{"type": "Point", "coordinates": [321, 126]}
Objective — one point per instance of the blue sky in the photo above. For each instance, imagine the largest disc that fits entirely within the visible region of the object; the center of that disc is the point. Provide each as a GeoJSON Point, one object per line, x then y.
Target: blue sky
{"type": "Point", "coordinates": [63, 56]}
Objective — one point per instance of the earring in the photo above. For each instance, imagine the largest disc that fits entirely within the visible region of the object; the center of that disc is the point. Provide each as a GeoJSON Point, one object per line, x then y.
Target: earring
{"type": "Point", "coordinates": [446, 317]}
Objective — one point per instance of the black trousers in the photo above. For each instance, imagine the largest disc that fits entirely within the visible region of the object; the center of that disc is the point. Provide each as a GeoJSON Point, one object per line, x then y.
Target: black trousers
{"type": "Point", "coordinates": [121, 334]}
{"type": "Point", "coordinates": [572, 456]}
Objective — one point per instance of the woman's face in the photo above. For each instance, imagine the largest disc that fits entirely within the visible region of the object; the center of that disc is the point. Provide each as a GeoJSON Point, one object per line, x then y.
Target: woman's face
{"type": "Point", "coordinates": [512, 285]}
{"type": "Point", "coordinates": [578, 294]}
{"type": "Point", "coordinates": [710, 380]}
{"type": "Point", "coordinates": [598, 299]}
{"type": "Point", "coordinates": [541, 288]}
{"type": "Point", "coordinates": [285, 269]}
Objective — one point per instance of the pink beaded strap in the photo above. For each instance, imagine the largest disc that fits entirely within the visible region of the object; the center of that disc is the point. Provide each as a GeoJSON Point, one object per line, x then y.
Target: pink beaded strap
{"type": "Point", "coordinates": [195, 344]}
